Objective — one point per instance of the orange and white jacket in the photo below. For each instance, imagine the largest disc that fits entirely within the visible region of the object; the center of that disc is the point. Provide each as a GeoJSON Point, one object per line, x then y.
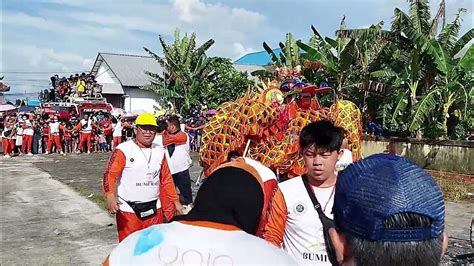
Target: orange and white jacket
{"type": "Point", "coordinates": [132, 178]}
{"type": "Point", "coordinates": [294, 224]}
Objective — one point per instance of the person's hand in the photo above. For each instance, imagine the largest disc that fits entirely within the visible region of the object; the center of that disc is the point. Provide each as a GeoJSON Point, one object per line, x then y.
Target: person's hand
{"type": "Point", "coordinates": [112, 203]}
{"type": "Point", "coordinates": [179, 208]}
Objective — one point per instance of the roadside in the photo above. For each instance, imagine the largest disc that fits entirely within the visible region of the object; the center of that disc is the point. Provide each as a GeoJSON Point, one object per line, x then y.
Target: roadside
{"type": "Point", "coordinates": [83, 173]}
{"type": "Point", "coordinates": [45, 222]}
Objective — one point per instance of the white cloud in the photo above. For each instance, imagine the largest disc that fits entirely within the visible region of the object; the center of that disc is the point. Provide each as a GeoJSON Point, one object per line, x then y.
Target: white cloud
{"type": "Point", "coordinates": [36, 57]}
{"type": "Point", "coordinates": [68, 40]}
{"type": "Point", "coordinates": [240, 50]}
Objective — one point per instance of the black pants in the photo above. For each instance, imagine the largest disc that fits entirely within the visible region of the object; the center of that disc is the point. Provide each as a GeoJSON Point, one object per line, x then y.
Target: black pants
{"type": "Point", "coordinates": [183, 181]}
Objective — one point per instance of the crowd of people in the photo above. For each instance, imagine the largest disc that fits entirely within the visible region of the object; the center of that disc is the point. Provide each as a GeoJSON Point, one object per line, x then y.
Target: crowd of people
{"type": "Point", "coordinates": [381, 210]}
{"type": "Point", "coordinates": [40, 133]}
{"type": "Point", "coordinates": [78, 85]}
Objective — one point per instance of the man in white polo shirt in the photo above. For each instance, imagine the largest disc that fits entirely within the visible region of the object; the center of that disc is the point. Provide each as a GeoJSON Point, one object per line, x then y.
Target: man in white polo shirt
{"type": "Point", "coordinates": [176, 143]}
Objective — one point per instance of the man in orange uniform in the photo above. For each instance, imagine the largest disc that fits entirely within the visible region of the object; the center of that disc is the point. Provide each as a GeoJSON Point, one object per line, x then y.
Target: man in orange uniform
{"type": "Point", "coordinates": [176, 143]}
{"type": "Point", "coordinates": [54, 130]}
{"type": "Point", "coordinates": [145, 189]}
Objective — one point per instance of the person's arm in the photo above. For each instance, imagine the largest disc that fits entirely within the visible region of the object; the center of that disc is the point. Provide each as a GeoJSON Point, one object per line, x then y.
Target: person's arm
{"type": "Point", "coordinates": [275, 227]}
{"type": "Point", "coordinates": [112, 173]}
{"type": "Point", "coordinates": [177, 139]}
{"type": "Point", "coordinates": [168, 196]}
{"type": "Point", "coordinates": [77, 127]}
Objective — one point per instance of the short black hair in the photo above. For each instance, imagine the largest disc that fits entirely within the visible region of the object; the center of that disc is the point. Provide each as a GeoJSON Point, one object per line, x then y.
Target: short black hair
{"type": "Point", "coordinates": [161, 126]}
{"type": "Point", "coordinates": [233, 154]}
{"type": "Point", "coordinates": [174, 120]}
{"type": "Point", "coordinates": [426, 252]}
{"type": "Point", "coordinates": [323, 135]}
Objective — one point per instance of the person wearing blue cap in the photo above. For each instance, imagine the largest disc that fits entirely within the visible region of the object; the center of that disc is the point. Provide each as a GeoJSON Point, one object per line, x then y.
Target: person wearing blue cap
{"type": "Point", "coordinates": [388, 211]}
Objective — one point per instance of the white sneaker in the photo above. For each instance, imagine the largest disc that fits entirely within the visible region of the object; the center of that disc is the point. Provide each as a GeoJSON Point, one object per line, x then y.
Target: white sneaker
{"type": "Point", "coordinates": [6, 156]}
{"type": "Point", "coordinates": [89, 152]}
{"type": "Point", "coordinates": [30, 154]}
{"type": "Point", "coordinates": [46, 153]}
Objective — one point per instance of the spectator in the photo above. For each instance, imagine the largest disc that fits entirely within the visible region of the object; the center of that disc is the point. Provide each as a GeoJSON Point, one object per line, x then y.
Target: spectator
{"type": "Point", "coordinates": [19, 135]}
{"type": "Point", "coordinates": [103, 143]}
{"type": "Point", "coordinates": [85, 127]}
{"type": "Point", "coordinates": [162, 126]}
{"type": "Point", "coordinates": [177, 147]}
{"type": "Point", "coordinates": [68, 140]}
{"type": "Point", "coordinates": [219, 230]}
{"type": "Point", "coordinates": [302, 207]}
{"type": "Point", "coordinates": [7, 140]}
{"type": "Point", "coordinates": [55, 128]}
{"type": "Point", "coordinates": [80, 86]}
{"type": "Point", "coordinates": [388, 211]}
{"type": "Point", "coordinates": [28, 132]}
{"type": "Point", "coordinates": [107, 129]}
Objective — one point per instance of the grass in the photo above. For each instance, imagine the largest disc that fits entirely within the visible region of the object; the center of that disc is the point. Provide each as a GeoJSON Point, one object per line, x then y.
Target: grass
{"type": "Point", "coordinates": [98, 199]}
{"type": "Point", "coordinates": [454, 190]}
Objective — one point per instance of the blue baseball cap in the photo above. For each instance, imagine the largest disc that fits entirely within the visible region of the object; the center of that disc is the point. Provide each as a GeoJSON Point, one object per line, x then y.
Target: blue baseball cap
{"type": "Point", "coordinates": [373, 189]}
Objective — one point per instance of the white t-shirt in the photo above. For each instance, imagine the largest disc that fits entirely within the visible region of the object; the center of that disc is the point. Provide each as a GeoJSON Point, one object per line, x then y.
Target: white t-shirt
{"type": "Point", "coordinates": [346, 160]}
{"type": "Point", "coordinates": [303, 238]}
{"type": "Point", "coordinates": [87, 126]}
{"type": "Point", "coordinates": [54, 127]}
{"type": "Point", "coordinates": [28, 131]}
{"type": "Point", "coordinates": [182, 244]}
{"type": "Point", "coordinates": [158, 140]}
{"type": "Point", "coordinates": [117, 129]}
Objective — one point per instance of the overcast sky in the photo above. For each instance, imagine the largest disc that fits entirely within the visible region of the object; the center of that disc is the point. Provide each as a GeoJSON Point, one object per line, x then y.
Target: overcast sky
{"type": "Point", "coordinates": [47, 36]}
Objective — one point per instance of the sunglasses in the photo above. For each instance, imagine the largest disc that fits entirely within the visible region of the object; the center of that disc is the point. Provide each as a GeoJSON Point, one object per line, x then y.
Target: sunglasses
{"type": "Point", "coordinates": [151, 129]}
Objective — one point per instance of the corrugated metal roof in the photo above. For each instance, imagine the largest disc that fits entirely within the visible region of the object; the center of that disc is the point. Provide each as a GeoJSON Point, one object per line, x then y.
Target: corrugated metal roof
{"type": "Point", "coordinates": [111, 88]}
{"type": "Point", "coordinates": [130, 69]}
{"type": "Point", "coordinates": [261, 58]}
{"type": "Point", "coordinates": [248, 68]}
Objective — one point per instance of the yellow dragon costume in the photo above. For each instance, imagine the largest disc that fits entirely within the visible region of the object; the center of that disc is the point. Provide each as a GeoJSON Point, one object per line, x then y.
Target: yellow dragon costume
{"type": "Point", "coordinates": [271, 122]}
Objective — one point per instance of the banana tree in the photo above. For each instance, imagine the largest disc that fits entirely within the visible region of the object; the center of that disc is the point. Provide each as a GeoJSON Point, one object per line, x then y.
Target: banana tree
{"type": "Point", "coordinates": [289, 55]}
{"type": "Point", "coordinates": [186, 67]}
{"type": "Point", "coordinates": [334, 58]}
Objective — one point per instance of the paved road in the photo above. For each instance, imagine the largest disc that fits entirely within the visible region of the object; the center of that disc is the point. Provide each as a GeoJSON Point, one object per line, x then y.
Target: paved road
{"type": "Point", "coordinates": [44, 221]}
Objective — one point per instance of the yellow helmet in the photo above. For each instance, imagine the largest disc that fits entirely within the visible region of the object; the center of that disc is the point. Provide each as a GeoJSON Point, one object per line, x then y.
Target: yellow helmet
{"type": "Point", "coordinates": [145, 119]}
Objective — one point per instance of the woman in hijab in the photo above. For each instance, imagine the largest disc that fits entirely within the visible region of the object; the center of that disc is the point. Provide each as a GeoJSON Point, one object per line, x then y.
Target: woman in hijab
{"type": "Point", "coordinates": [219, 229]}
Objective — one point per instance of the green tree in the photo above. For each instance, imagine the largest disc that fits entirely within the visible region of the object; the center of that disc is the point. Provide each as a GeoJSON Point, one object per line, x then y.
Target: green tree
{"type": "Point", "coordinates": [425, 69]}
{"type": "Point", "coordinates": [226, 83]}
{"type": "Point", "coordinates": [186, 70]}
{"type": "Point", "coordinates": [191, 78]}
